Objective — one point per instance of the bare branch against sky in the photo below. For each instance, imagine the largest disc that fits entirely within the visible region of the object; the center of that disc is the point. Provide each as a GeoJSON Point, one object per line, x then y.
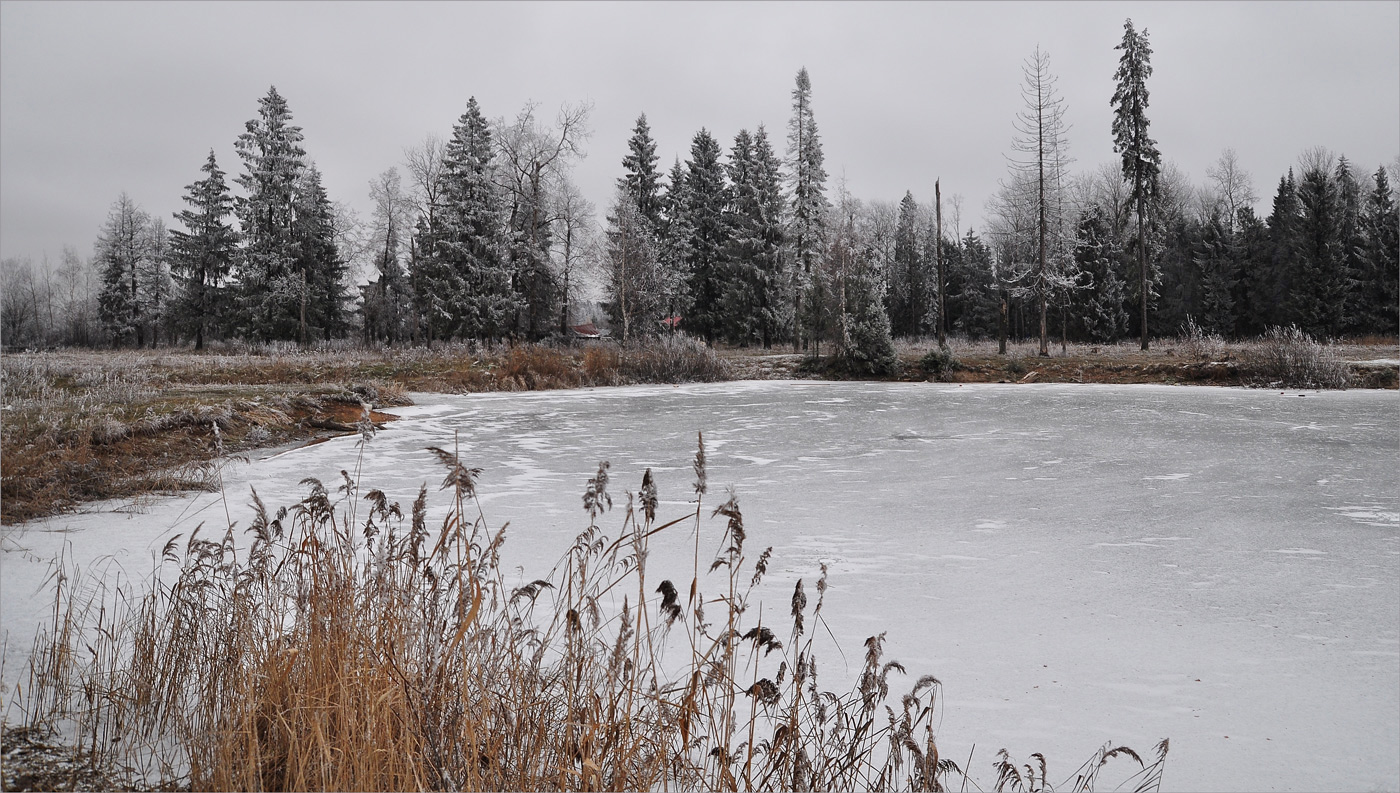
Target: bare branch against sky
{"type": "Point", "coordinates": [100, 98]}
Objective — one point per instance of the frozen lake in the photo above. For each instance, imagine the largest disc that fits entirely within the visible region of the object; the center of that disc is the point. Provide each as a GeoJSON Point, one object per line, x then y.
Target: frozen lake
{"type": "Point", "coordinates": [1077, 564]}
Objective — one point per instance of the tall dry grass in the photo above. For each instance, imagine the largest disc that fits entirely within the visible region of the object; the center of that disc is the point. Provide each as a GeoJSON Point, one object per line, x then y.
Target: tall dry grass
{"type": "Point", "coordinates": [353, 645]}
{"type": "Point", "coordinates": [1287, 357]}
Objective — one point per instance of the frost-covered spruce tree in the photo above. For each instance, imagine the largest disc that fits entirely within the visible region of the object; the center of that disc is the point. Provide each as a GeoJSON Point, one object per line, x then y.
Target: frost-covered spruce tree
{"type": "Point", "coordinates": [201, 257]}
{"type": "Point", "coordinates": [1141, 160]}
{"type": "Point", "coordinates": [673, 244]}
{"type": "Point", "coordinates": [1380, 257]}
{"type": "Point", "coordinates": [706, 197]}
{"type": "Point", "coordinates": [319, 264]}
{"type": "Point", "coordinates": [641, 180]}
{"type": "Point", "coordinates": [124, 252]}
{"type": "Point", "coordinates": [753, 285]}
{"type": "Point", "coordinates": [471, 281]}
{"type": "Point", "coordinates": [970, 274]}
{"type": "Point", "coordinates": [863, 342]}
{"type": "Point", "coordinates": [769, 240]}
{"type": "Point", "coordinates": [740, 277]}
{"type": "Point", "coordinates": [269, 291]}
{"type": "Point", "coordinates": [807, 194]}
{"type": "Point", "coordinates": [1100, 301]}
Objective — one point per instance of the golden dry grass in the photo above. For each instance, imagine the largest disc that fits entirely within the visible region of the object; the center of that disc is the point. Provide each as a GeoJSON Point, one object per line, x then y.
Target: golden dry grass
{"type": "Point", "coordinates": [354, 645]}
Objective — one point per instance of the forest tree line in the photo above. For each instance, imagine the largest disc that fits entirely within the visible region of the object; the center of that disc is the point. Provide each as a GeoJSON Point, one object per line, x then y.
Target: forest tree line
{"type": "Point", "coordinates": [490, 239]}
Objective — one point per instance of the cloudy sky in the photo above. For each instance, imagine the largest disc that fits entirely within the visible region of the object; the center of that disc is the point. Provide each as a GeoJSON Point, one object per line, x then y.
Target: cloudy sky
{"type": "Point", "coordinates": [100, 98]}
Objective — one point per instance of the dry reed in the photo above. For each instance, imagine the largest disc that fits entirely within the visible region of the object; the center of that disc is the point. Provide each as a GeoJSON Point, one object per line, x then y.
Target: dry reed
{"type": "Point", "coordinates": [351, 645]}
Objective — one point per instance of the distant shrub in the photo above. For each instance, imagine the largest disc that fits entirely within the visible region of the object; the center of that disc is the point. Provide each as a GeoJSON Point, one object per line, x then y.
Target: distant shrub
{"type": "Point", "coordinates": [1196, 343]}
{"type": "Point", "coordinates": [673, 358]}
{"type": "Point", "coordinates": [1016, 365]}
{"type": "Point", "coordinates": [1290, 358]}
{"type": "Point", "coordinates": [940, 364]}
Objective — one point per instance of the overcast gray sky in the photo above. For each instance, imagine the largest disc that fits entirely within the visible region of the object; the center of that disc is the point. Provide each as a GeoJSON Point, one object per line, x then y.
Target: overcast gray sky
{"type": "Point", "coordinates": [100, 98]}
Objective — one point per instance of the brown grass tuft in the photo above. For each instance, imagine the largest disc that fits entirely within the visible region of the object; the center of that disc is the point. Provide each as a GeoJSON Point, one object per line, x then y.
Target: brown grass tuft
{"type": "Point", "coordinates": [348, 645]}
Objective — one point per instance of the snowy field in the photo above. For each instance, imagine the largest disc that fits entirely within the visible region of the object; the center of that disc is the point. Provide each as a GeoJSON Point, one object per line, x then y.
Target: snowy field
{"type": "Point", "coordinates": [1076, 563]}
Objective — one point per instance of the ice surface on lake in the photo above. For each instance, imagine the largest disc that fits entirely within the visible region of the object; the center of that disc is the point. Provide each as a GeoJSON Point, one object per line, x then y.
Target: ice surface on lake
{"type": "Point", "coordinates": [1076, 563]}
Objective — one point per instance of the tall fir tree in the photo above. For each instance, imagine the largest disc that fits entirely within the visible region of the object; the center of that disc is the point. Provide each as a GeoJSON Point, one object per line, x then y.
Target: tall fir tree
{"type": "Point", "coordinates": [807, 190]}
{"type": "Point", "coordinates": [1141, 160]}
{"type": "Point", "coordinates": [202, 256]}
{"type": "Point", "coordinates": [1215, 308]}
{"type": "Point", "coordinates": [1273, 296]}
{"type": "Point", "coordinates": [270, 290]}
{"type": "Point", "coordinates": [642, 181]}
{"type": "Point", "coordinates": [477, 299]}
{"type": "Point", "coordinates": [753, 288]}
{"type": "Point", "coordinates": [971, 287]}
{"type": "Point", "coordinates": [1380, 258]}
{"type": "Point", "coordinates": [673, 245]}
{"type": "Point", "coordinates": [1100, 301]}
{"type": "Point", "coordinates": [907, 284]}
{"type": "Point", "coordinates": [768, 232]}
{"type": "Point", "coordinates": [707, 195]}
{"type": "Point", "coordinates": [322, 312]}
{"type": "Point", "coordinates": [856, 287]}
{"type": "Point", "coordinates": [1349, 239]}
{"type": "Point", "coordinates": [1320, 286]}
{"type": "Point", "coordinates": [1251, 251]}
{"type": "Point", "coordinates": [125, 250]}
{"type": "Point", "coordinates": [741, 279]}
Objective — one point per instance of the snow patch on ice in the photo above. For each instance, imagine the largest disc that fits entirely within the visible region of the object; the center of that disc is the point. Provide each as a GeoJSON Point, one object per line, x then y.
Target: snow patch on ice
{"type": "Point", "coordinates": [1306, 551]}
{"type": "Point", "coordinates": [1167, 477]}
{"type": "Point", "coordinates": [1370, 515]}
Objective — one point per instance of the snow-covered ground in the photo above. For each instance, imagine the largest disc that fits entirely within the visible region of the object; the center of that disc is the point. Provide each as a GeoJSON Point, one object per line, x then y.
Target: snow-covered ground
{"type": "Point", "coordinates": [1076, 563]}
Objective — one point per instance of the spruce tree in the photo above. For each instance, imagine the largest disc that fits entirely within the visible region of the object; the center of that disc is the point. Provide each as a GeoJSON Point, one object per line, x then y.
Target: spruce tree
{"type": "Point", "coordinates": [1349, 240]}
{"type": "Point", "coordinates": [673, 244]}
{"type": "Point", "coordinates": [123, 252]}
{"type": "Point", "coordinates": [642, 181]}
{"type": "Point", "coordinates": [970, 272]}
{"type": "Point", "coordinates": [1100, 301]}
{"type": "Point", "coordinates": [907, 284]}
{"type": "Point", "coordinates": [1320, 287]}
{"type": "Point", "coordinates": [863, 345]}
{"type": "Point", "coordinates": [477, 299]}
{"type": "Point", "coordinates": [706, 198]}
{"type": "Point", "coordinates": [1273, 296]}
{"type": "Point", "coordinates": [1380, 257]}
{"type": "Point", "coordinates": [741, 279]}
{"type": "Point", "coordinates": [1215, 309]}
{"type": "Point", "coordinates": [270, 290]}
{"type": "Point", "coordinates": [807, 185]}
{"type": "Point", "coordinates": [1251, 251]}
{"type": "Point", "coordinates": [770, 237]}
{"type": "Point", "coordinates": [202, 256]}
{"type": "Point", "coordinates": [319, 263]}
{"type": "Point", "coordinates": [1141, 160]}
